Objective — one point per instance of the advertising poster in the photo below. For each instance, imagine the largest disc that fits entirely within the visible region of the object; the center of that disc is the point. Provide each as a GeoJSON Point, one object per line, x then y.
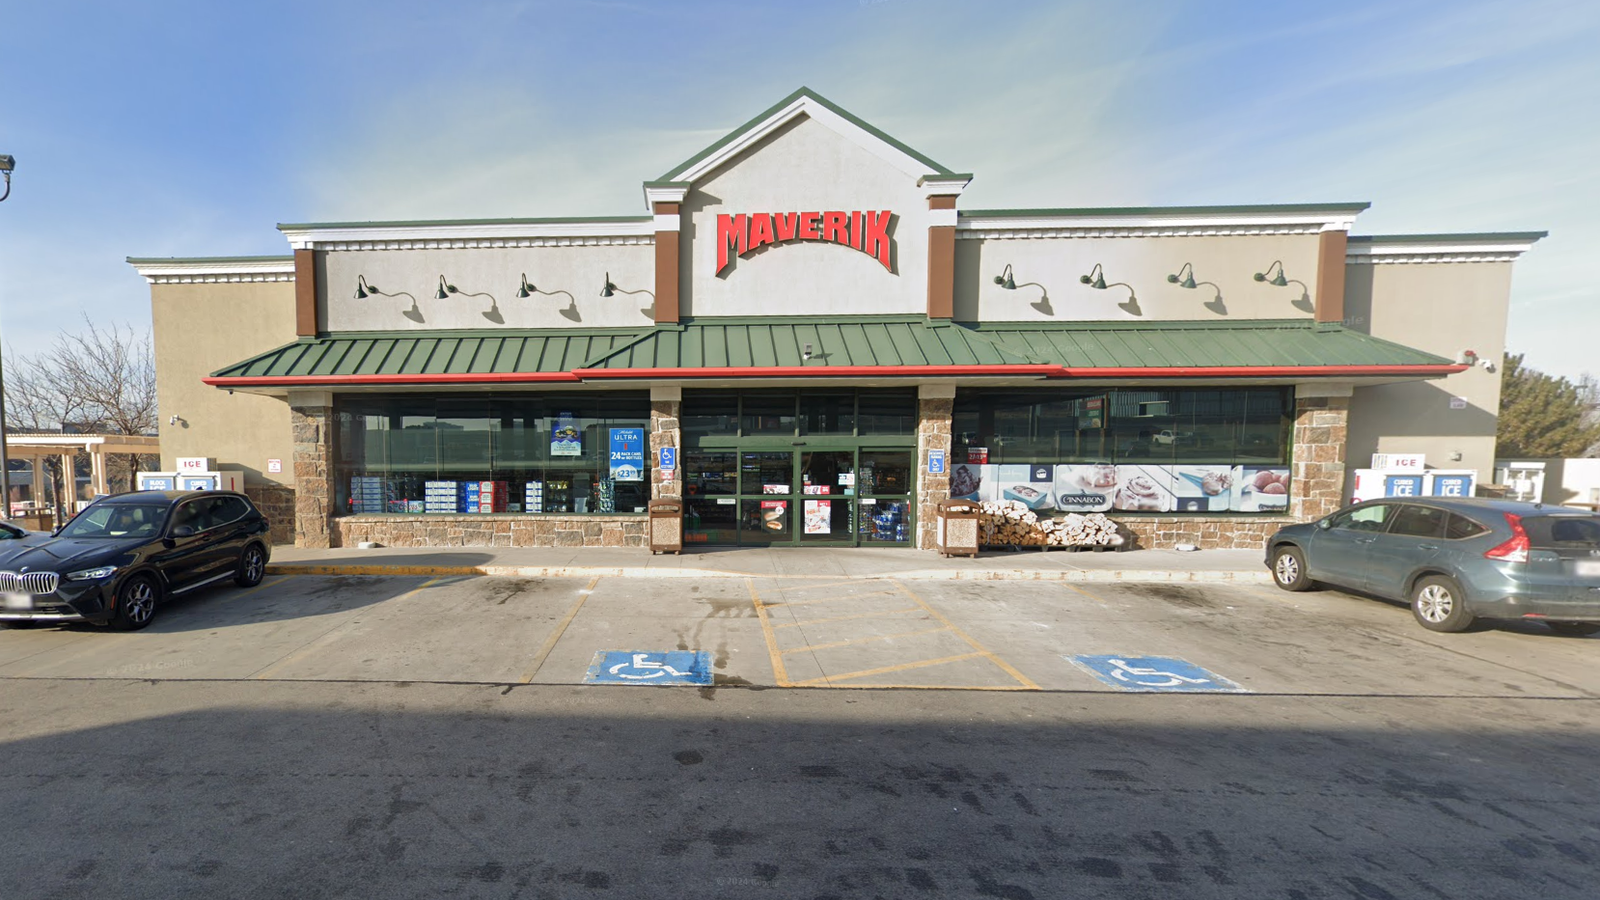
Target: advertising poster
{"type": "Point", "coordinates": [1085, 488]}
{"type": "Point", "coordinates": [1030, 485]}
{"type": "Point", "coordinates": [775, 515]}
{"type": "Point", "coordinates": [977, 456]}
{"type": "Point", "coordinates": [819, 516]}
{"type": "Point", "coordinates": [565, 438]}
{"type": "Point", "coordinates": [1203, 488]}
{"type": "Point", "coordinates": [627, 454]}
{"type": "Point", "coordinates": [1144, 489]}
{"type": "Point", "coordinates": [1262, 489]}
{"type": "Point", "coordinates": [966, 481]}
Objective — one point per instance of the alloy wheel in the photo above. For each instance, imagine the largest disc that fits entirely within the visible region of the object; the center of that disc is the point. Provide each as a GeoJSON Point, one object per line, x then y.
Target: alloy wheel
{"type": "Point", "coordinates": [255, 564]}
{"type": "Point", "coordinates": [139, 603]}
{"type": "Point", "coordinates": [1435, 603]}
{"type": "Point", "coordinates": [1287, 569]}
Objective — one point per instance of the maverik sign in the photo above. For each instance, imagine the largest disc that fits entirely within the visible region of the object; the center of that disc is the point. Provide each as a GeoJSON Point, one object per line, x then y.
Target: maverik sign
{"type": "Point", "coordinates": [865, 231]}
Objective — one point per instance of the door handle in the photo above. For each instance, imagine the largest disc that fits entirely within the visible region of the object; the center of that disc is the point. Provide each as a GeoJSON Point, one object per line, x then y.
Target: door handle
{"type": "Point", "coordinates": [1365, 540]}
{"type": "Point", "coordinates": [1427, 546]}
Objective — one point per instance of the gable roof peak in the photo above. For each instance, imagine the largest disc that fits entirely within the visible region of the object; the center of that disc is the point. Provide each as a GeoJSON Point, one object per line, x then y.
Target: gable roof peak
{"type": "Point", "coordinates": [808, 103]}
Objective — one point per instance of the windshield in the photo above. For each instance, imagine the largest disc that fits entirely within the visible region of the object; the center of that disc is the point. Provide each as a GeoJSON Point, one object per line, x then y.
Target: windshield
{"type": "Point", "coordinates": [118, 520]}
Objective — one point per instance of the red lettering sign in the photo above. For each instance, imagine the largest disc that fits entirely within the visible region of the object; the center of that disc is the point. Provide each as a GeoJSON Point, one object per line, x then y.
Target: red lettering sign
{"type": "Point", "coordinates": [867, 231]}
{"type": "Point", "coordinates": [731, 234]}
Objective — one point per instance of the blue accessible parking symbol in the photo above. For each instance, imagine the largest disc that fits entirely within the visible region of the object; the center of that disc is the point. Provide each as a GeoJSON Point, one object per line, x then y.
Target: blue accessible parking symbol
{"type": "Point", "coordinates": [1154, 673]}
{"type": "Point", "coordinates": [641, 667]}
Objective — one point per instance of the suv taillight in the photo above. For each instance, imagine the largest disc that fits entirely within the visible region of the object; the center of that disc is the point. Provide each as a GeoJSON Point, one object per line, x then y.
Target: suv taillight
{"type": "Point", "coordinates": [1514, 550]}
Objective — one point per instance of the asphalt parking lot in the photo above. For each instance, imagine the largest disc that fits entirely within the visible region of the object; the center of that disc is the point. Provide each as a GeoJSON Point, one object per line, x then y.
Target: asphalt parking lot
{"type": "Point", "coordinates": [811, 633]}
{"type": "Point", "coordinates": [416, 737]}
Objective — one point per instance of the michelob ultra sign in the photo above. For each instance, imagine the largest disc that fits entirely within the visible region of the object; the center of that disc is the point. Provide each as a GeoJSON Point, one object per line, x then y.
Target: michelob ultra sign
{"type": "Point", "coordinates": [867, 231]}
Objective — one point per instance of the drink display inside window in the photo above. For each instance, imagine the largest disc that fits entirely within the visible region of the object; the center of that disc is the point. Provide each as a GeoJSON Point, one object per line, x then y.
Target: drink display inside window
{"type": "Point", "coordinates": [492, 454]}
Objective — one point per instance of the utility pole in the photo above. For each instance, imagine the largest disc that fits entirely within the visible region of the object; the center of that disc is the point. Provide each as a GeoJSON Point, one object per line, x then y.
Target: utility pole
{"type": "Point", "coordinates": [7, 163]}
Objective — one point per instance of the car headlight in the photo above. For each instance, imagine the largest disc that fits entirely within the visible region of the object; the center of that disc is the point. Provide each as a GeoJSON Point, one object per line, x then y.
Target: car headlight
{"type": "Point", "coordinates": [92, 574]}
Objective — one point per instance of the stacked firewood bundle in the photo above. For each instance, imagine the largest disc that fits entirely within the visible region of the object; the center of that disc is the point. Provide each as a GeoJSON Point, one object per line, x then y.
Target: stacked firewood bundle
{"type": "Point", "coordinates": [1009, 522]}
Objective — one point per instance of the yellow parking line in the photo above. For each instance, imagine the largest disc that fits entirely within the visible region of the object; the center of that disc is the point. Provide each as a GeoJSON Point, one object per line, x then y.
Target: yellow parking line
{"type": "Point", "coordinates": [865, 640]}
{"type": "Point", "coordinates": [982, 650]}
{"type": "Point", "coordinates": [1073, 587]}
{"type": "Point", "coordinates": [561, 628]}
{"type": "Point", "coordinates": [779, 673]}
{"type": "Point", "coordinates": [833, 599]}
{"type": "Point", "coordinates": [884, 670]}
{"type": "Point", "coordinates": [868, 615]}
{"type": "Point", "coordinates": [311, 645]}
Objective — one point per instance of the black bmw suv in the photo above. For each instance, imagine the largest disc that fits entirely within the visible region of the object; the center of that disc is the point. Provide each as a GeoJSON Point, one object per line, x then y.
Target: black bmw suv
{"type": "Point", "coordinates": [115, 562]}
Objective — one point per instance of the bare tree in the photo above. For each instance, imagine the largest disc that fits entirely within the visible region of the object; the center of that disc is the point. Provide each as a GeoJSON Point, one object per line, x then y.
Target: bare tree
{"type": "Point", "coordinates": [101, 379]}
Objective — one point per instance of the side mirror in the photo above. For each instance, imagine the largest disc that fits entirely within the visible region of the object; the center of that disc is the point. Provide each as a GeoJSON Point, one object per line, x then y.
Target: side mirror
{"type": "Point", "coordinates": [1324, 524]}
{"type": "Point", "coordinates": [183, 531]}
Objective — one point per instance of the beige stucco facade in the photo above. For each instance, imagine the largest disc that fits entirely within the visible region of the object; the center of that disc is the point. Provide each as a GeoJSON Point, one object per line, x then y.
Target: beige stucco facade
{"type": "Point", "coordinates": [1440, 300]}
{"type": "Point", "coordinates": [202, 327]}
{"type": "Point", "coordinates": [1439, 294]}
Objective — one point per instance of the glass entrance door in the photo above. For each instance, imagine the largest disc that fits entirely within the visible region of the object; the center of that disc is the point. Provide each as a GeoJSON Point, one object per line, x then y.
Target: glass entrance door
{"type": "Point", "coordinates": [827, 502]}
{"type": "Point", "coordinates": [800, 497]}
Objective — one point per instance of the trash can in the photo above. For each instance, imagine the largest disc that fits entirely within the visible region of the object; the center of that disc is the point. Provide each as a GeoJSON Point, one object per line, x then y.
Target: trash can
{"type": "Point", "coordinates": [957, 532]}
{"type": "Point", "coordinates": [666, 526]}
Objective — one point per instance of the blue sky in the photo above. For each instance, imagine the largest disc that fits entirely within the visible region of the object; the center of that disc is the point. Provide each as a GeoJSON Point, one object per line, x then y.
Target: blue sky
{"type": "Point", "coordinates": [192, 129]}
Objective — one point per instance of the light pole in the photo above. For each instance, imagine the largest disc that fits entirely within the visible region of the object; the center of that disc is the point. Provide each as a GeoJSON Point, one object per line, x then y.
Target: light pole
{"type": "Point", "coordinates": [7, 163]}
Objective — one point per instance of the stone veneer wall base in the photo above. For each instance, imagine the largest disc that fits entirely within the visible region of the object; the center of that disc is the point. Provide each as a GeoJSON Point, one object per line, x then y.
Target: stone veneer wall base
{"type": "Point", "coordinates": [276, 502]}
{"type": "Point", "coordinates": [490, 531]}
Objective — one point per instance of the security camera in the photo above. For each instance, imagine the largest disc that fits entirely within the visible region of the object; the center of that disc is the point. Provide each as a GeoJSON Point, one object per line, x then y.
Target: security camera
{"type": "Point", "coordinates": [7, 163]}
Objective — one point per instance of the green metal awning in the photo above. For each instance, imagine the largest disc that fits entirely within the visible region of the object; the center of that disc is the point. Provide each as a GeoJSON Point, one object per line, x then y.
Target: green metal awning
{"type": "Point", "coordinates": [865, 346]}
{"type": "Point", "coordinates": [443, 357]}
{"type": "Point", "coordinates": [1275, 344]}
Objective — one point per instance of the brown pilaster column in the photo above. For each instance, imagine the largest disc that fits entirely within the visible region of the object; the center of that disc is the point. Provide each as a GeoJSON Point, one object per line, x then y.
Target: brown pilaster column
{"type": "Point", "coordinates": [305, 293]}
{"type": "Point", "coordinates": [667, 261]}
{"type": "Point", "coordinates": [1330, 275]}
{"type": "Point", "coordinates": [942, 257]}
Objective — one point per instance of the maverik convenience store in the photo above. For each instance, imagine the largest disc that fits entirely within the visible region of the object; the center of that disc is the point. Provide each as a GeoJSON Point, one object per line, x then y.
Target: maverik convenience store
{"type": "Point", "coordinates": [807, 321]}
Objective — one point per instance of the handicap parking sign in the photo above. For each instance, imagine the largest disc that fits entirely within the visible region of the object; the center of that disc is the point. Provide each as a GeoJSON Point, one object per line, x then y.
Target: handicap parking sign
{"type": "Point", "coordinates": [1154, 673]}
{"type": "Point", "coordinates": [647, 667]}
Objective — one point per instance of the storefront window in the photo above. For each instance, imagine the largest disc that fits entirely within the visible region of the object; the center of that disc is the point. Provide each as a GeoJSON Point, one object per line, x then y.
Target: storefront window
{"type": "Point", "coordinates": [492, 454]}
{"type": "Point", "coordinates": [1177, 450]}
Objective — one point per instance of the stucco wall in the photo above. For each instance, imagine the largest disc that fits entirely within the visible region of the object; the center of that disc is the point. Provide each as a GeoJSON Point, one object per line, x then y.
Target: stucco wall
{"type": "Point", "coordinates": [1053, 265]}
{"type": "Point", "coordinates": [579, 270]}
{"type": "Point", "coordinates": [1443, 308]}
{"type": "Point", "coordinates": [805, 166]}
{"type": "Point", "coordinates": [200, 328]}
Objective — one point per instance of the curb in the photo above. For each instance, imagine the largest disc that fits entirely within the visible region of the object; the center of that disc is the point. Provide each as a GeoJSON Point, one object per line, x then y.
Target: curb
{"type": "Point", "coordinates": [1126, 576]}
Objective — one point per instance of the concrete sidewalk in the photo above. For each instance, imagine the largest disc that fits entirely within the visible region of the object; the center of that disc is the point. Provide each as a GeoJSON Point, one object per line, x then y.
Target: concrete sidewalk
{"type": "Point", "coordinates": [1133, 566]}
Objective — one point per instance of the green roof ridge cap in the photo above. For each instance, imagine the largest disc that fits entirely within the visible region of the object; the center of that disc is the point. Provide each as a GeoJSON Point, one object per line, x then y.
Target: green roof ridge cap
{"type": "Point", "coordinates": [1165, 210]}
{"type": "Point", "coordinates": [576, 220]}
{"type": "Point", "coordinates": [178, 260]}
{"type": "Point", "coordinates": [843, 113]}
{"type": "Point", "coordinates": [1462, 237]}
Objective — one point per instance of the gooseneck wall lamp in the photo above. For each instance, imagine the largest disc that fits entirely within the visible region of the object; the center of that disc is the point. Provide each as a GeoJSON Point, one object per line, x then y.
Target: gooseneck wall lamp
{"type": "Point", "coordinates": [1282, 280]}
{"type": "Point", "coordinates": [365, 289]}
{"type": "Point", "coordinates": [492, 313]}
{"type": "Point", "coordinates": [1185, 279]}
{"type": "Point", "coordinates": [1007, 280]}
{"type": "Point", "coordinates": [1097, 280]}
{"type": "Point", "coordinates": [7, 163]}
